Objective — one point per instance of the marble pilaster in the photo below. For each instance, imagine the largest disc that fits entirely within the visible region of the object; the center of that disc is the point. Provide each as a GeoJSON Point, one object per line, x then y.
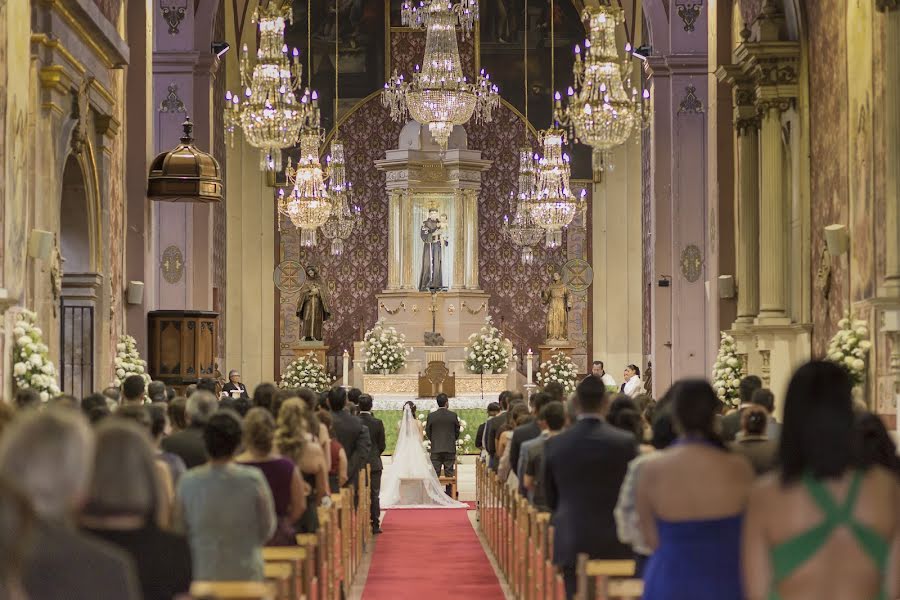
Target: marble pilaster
{"type": "Point", "coordinates": [891, 166]}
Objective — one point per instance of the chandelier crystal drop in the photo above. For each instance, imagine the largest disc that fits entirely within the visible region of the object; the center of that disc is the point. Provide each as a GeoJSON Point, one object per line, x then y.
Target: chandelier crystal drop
{"type": "Point", "coordinates": [553, 206]}
{"type": "Point", "coordinates": [416, 14]}
{"type": "Point", "coordinates": [267, 110]}
{"type": "Point", "coordinates": [307, 205]}
{"type": "Point", "coordinates": [603, 109]}
{"type": "Point", "coordinates": [343, 216]}
{"type": "Point", "coordinates": [438, 94]}
{"type": "Point", "coordinates": [521, 229]}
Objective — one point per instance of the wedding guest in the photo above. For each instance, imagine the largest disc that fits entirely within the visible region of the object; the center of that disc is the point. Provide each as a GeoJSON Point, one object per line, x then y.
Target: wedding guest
{"type": "Point", "coordinates": [753, 442]}
{"type": "Point", "coordinates": [133, 390]}
{"type": "Point", "coordinates": [189, 443]}
{"type": "Point", "coordinates": [337, 473]}
{"type": "Point", "coordinates": [156, 391]}
{"type": "Point", "coordinates": [234, 385]}
{"type": "Point", "coordinates": [189, 390]}
{"type": "Point", "coordinates": [731, 423]}
{"type": "Point", "coordinates": [97, 414]}
{"type": "Point", "coordinates": [293, 440]}
{"type": "Point", "coordinates": [263, 394]}
{"type": "Point", "coordinates": [556, 391]}
{"type": "Point", "coordinates": [225, 509]}
{"type": "Point", "coordinates": [551, 420]}
{"type": "Point", "coordinates": [379, 445]}
{"type": "Point", "coordinates": [122, 508]}
{"type": "Point", "coordinates": [92, 401]}
{"type": "Point", "coordinates": [764, 398]}
{"type": "Point", "coordinates": [112, 394]}
{"type": "Point", "coordinates": [524, 433]}
{"type": "Point", "coordinates": [159, 423]}
{"type": "Point", "coordinates": [823, 526]}
{"type": "Point", "coordinates": [208, 384]}
{"type": "Point", "coordinates": [353, 395]}
{"type": "Point", "coordinates": [48, 454]}
{"type": "Point", "coordinates": [350, 432]}
{"type": "Point", "coordinates": [492, 409]}
{"type": "Point", "coordinates": [608, 380]}
{"type": "Point", "coordinates": [170, 393]}
{"type": "Point", "coordinates": [26, 399]}
{"type": "Point", "coordinates": [176, 413]}
{"type": "Point", "coordinates": [316, 429]}
{"type": "Point", "coordinates": [519, 415]}
{"type": "Point", "coordinates": [64, 401]}
{"type": "Point", "coordinates": [583, 506]}
{"type": "Point", "coordinates": [875, 442]}
{"type": "Point", "coordinates": [690, 503]}
{"type": "Point", "coordinates": [281, 473]}
{"type": "Point", "coordinates": [17, 524]}
{"type": "Point", "coordinates": [623, 414]}
{"type": "Point", "coordinates": [490, 430]}
{"type": "Point", "coordinates": [633, 386]}
{"type": "Point", "coordinates": [7, 414]}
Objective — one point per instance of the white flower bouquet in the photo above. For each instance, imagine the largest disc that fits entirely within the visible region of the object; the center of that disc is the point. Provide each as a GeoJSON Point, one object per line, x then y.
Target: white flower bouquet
{"type": "Point", "coordinates": [850, 346]}
{"type": "Point", "coordinates": [128, 362]}
{"type": "Point", "coordinates": [560, 369]}
{"type": "Point", "coordinates": [385, 350]}
{"type": "Point", "coordinates": [31, 367]}
{"type": "Point", "coordinates": [488, 351]}
{"type": "Point", "coordinates": [727, 372]}
{"type": "Point", "coordinates": [307, 372]}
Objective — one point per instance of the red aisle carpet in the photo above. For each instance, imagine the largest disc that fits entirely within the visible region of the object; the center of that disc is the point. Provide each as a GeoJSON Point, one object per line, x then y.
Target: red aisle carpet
{"type": "Point", "coordinates": [429, 554]}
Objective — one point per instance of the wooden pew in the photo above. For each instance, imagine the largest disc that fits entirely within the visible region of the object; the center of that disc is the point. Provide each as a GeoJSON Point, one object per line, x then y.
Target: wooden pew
{"type": "Point", "coordinates": [310, 542]}
{"type": "Point", "coordinates": [607, 580]}
{"type": "Point", "coordinates": [281, 576]}
{"type": "Point", "coordinates": [232, 590]}
{"type": "Point", "coordinates": [294, 557]}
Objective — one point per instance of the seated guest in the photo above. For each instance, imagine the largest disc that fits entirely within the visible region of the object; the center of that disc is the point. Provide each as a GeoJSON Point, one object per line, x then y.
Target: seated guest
{"type": "Point", "coordinates": [492, 409]}
{"type": "Point", "coordinates": [765, 399]}
{"type": "Point", "coordinates": [17, 522]}
{"type": "Point", "coordinates": [551, 420]}
{"type": "Point", "coordinates": [337, 474]}
{"type": "Point", "coordinates": [48, 454]}
{"type": "Point", "coordinates": [133, 390]}
{"type": "Point", "coordinates": [225, 509]}
{"type": "Point", "coordinates": [583, 505]}
{"type": "Point", "coordinates": [234, 387]}
{"type": "Point", "coordinates": [875, 443]}
{"type": "Point", "coordinates": [293, 440]}
{"type": "Point", "coordinates": [188, 443]}
{"type": "Point", "coordinates": [159, 423]}
{"type": "Point", "coordinates": [690, 502]}
{"type": "Point", "coordinates": [824, 526]}
{"type": "Point", "coordinates": [122, 508]}
{"type": "Point", "coordinates": [176, 413]}
{"type": "Point", "coordinates": [753, 443]}
{"type": "Point", "coordinates": [731, 423]}
{"type": "Point", "coordinates": [156, 391]}
{"type": "Point", "coordinates": [281, 473]}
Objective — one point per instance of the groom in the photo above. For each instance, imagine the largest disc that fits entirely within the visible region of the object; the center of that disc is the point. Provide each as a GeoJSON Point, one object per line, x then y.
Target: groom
{"type": "Point", "coordinates": [442, 428]}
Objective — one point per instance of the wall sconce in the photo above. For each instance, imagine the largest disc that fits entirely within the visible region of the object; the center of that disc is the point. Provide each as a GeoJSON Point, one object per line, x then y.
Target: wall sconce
{"type": "Point", "coordinates": [134, 292]}
{"type": "Point", "coordinates": [40, 243]}
{"type": "Point", "coordinates": [837, 239]}
{"type": "Point", "coordinates": [726, 287]}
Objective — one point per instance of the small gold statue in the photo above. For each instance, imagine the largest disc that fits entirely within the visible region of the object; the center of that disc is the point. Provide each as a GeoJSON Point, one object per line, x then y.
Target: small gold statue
{"type": "Point", "coordinates": [312, 306]}
{"type": "Point", "coordinates": [557, 297]}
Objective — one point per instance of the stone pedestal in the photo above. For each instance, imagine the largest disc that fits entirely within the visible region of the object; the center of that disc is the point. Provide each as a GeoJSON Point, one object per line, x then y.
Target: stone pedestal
{"type": "Point", "coordinates": [317, 349]}
{"type": "Point", "coordinates": [549, 350]}
{"type": "Point", "coordinates": [457, 314]}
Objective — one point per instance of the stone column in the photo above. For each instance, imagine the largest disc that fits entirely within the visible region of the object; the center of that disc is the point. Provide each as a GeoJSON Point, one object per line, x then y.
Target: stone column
{"type": "Point", "coordinates": [891, 10]}
{"type": "Point", "coordinates": [394, 239]}
{"type": "Point", "coordinates": [459, 248]}
{"type": "Point", "coordinates": [407, 237]}
{"type": "Point", "coordinates": [470, 199]}
{"type": "Point", "coordinates": [747, 229]}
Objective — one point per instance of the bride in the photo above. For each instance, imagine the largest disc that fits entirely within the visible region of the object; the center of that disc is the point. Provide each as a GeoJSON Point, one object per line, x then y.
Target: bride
{"type": "Point", "coordinates": [410, 481]}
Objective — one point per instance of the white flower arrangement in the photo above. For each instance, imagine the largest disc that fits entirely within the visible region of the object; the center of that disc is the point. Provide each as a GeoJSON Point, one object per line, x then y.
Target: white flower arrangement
{"type": "Point", "coordinates": [306, 371]}
{"type": "Point", "coordinates": [560, 369]}
{"type": "Point", "coordinates": [488, 351]}
{"type": "Point", "coordinates": [31, 367]}
{"type": "Point", "coordinates": [850, 346]}
{"type": "Point", "coordinates": [726, 372]}
{"type": "Point", "coordinates": [128, 361]}
{"type": "Point", "coordinates": [463, 443]}
{"type": "Point", "coordinates": [385, 349]}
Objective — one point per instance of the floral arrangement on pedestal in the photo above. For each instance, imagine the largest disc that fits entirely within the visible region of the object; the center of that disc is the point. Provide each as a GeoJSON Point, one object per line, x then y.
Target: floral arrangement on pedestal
{"type": "Point", "coordinates": [385, 350]}
{"type": "Point", "coordinates": [31, 367]}
{"type": "Point", "coordinates": [488, 351]}
{"type": "Point", "coordinates": [128, 361]}
{"type": "Point", "coordinates": [850, 346]}
{"type": "Point", "coordinates": [560, 369]}
{"type": "Point", "coordinates": [726, 372]}
{"type": "Point", "coordinates": [306, 371]}
{"type": "Point", "coordinates": [463, 444]}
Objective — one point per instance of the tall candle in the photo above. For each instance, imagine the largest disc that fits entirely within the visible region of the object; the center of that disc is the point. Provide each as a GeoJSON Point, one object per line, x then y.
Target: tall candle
{"type": "Point", "coordinates": [346, 369]}
{"type": "Point", "coordinates": [528, 365]}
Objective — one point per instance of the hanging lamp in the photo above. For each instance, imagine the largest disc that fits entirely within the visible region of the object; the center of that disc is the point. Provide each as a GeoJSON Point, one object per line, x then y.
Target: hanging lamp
{"type": "Point", "coordinates": [185, 173]}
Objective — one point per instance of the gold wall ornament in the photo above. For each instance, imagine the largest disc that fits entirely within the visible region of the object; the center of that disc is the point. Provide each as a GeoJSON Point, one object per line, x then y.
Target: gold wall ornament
{"type": "Point", "coordinates": [289, 276]}
{"type": "Point", "coordinates": [474, 312]}
{"type": "Point", "coordinates": [578, 275]}
{"type": "Point", "coordinates": [451, 309]}
{"type": "Point", "coordinates": [172, 103]}
{"type": "Point", "coordinates": [401, 306]}
{"type": "Point", "coordinates": [689, 14]}
{"type": "Point", "coordinates": [690, 104]}
{"type": "Point", "coordinates": [185, 173]}
{"type": "Point", "coordinates": [691, 263]}
{"type": "Point", "coordinates": [172, 264]}
{"type": "Point", "coordinates": [173, 11]}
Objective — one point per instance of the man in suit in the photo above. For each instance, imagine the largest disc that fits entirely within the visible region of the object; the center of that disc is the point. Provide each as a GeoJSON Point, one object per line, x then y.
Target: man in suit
{"type": "Point", "coordinates": [351, 433]}
{"type": "Point", "coordinates": [524, 433]}
{"type": "Point", "coordinates": [492, 410]}
{"type": "Point", "coordinates": [442, 429]}
{"type": "Point", "coordinates": [584, 467]}
{"type": "Point", "coordinates": [188, 443]}
{"type": "Point", "coordinates": [133, 390]}
{"type": "Point", "coordinates": [765, 398]}
{"type": "Point", "coordinates": [493, 425]}
{"type": "Point", "coordinates": [731, 423]}
{"type": "Point", "coordinates": [376, 434]}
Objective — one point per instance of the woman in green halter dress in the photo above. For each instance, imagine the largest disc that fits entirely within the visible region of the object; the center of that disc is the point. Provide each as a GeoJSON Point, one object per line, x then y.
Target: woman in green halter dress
{"type": "Point", "coordinates": [822, 528]}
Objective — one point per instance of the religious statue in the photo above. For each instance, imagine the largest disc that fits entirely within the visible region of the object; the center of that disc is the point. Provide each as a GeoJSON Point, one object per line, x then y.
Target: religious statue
{"type": "Point", "coordinates": [434, 233]}
{"type": "Point", "coordinates": [556, 296]}
{"type": "Point", "coordinates": [312, 307]}
{"type": "Point", "coordinates": [56, 274]}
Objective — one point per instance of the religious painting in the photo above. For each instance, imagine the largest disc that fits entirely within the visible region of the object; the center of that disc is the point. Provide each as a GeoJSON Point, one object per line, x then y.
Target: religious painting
{"type": "Point", "coordinates": [435, 216]}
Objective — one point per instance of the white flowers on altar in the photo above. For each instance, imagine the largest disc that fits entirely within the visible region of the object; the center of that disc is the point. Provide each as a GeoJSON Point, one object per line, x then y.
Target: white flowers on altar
{"type": "Point", "coordinates": [128, 361]}
{"type": "Point", "coordinates": [560, 369]}
{"type": "Point", "coordinates": [385, 350]}
{"type": "Point", "coordinates": [727, 372]}
{"type": "Point", "coordinates": [850, 346]}
{"type": "Point", "coordinates": [31, 367]}
{"type": "Point", "coordinates": [307, 372]}
{"type": "Point", "coordinates": [488, 351]}
{"type": "Point", "coordinates": [463, 444]}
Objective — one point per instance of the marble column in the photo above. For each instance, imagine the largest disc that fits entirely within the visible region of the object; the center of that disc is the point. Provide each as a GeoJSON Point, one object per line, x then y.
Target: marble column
{"type": "Point", "coordinates": [891, 10]}
{"type": "Point", "coordinates": [747, 229]}
{"type": "Point", "coordinates": [470, 199]}
{"type": "Point", "coordinates": [394, 250]}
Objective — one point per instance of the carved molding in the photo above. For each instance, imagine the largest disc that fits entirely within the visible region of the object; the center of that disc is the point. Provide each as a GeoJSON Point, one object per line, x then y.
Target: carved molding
{"type": "Point", "coordinates": [777, 71]}
{"type": "Point", "coordinates": [473, 384]}
{"type": "Point", "coordinates": [779, 104]}
{"type": "Point", "coordinates": [689, 13]}
{"type": "Point", "coordinates": [391, 384]}
{"type": "Point", "coordinates": [173, 11]}
{"type": "Point", "coordinates": [172, 103]}
{"type": "Point", "coordinates": [80, 110]}
{"type": "Point", "coordinates": [747, 125]}
{"type": "Point", "coordinates": [172, 264]}
{"type": "Point", "coordinates": [690, 104]}
{"type": "Point", "coordinates": [691, 263]}
{"type": "Point", "coordinates": [399, 175]}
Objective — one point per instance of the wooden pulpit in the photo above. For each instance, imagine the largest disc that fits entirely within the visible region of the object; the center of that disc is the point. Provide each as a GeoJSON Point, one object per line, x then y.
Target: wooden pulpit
{"type": "Point", "coordinates": [437, 379]}
{"type": "Point", "coordinates": [182, 345]}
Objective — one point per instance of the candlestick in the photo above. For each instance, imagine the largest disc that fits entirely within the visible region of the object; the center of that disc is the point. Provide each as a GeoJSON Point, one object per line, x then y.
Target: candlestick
{"type": "Point", "coordinates": [346, 369]}
{"type": "Point", "coordinates": [528, 366]}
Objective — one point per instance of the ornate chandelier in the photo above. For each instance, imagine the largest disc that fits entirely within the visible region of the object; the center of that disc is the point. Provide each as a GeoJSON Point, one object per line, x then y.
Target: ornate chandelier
{"type": "Point", "coordinates": [604, 109]}
{"type": "Point", "coordinates": [554, 205]}
{"type": "Point", "coordinates": [342, 218]}
{"type": "Point", "coordinates": [439, 95]}
{"type": "Point", "coordinates": [270, 114]}
{"type": "Point", "coordinates": [521, 229]}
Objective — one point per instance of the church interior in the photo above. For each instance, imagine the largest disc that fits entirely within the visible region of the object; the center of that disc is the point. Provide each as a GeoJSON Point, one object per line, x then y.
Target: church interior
{"type": "Point", "coordinates": [448, 198]}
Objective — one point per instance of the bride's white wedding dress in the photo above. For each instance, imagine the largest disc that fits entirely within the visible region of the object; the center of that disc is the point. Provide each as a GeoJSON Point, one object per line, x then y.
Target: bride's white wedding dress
{"type": "Point", "coordinates": [410, 481]}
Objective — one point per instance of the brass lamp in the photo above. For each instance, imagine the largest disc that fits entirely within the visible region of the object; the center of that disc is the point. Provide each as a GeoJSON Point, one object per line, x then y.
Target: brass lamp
{"type": "Point", "coordinates": [185, 173]}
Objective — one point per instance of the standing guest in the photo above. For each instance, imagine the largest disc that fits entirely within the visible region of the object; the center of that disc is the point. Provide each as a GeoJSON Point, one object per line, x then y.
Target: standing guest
{"type": "Point", "coordinates": [519, 416]}
{"type": "Point", "coordinates": [442, 429]}
{"type": "Point", "coordinates": [350, 432]}
{"type": "Point", "coordinates": [875, 442]}
{"type": "Point", "coordinates": [92, 401]}
{"type": "Point", "coordinates": [379, 445]}
{"type": "Point", "coordinates": [26, 399]}
{"type": "Point", "coordinates": [48, 454]}
{"type": "Point", "coordinates": [824, 526]}
{"type": "Point", "coordinates": [97, 414]}
{"type": "Point", "coordinates": [7, 415]}
{"type": "Point", "coordinates": [64, 401]}
{"type": "Point", "coordinates": [608, 380]}
{"type": "Point", "coordinates": [189, 390]}
{"type": "Point", "coordinates": [690, 503]}
{"type": "Point", "coordinates": [490, 430]}
{"type": "Point", "coordinates": [170, 393]}
{"type": "Point", "coordinates": [263, 395]}
{"type": "Point", "coordinates": [524, 433]}
{"type": "Point", "coordinates": [159, 423]}
{"type": "Point", "coordinates": [112, 394]}
{"type": "Point", "coordinates": [556, 391]}
{"type": "Point", "coordinates": [281, 473]}
{"type": "Point", "coordinates": [176, 413]}
{"type": "Point", "coordinates": [623, 414]}
{"type": "Point", "coordinates": [17, 523]}
{"type": "Point", "coordinates": [337, 473]}
{"type": "Point", "coordinates": [156, 391]}
{"type": "Point", "coordinates": [189, 443]}
{"type": "Point", "coordinates": [225, 509]}
{"type": "Point", "coordinates": [317, 429]}
{"type": "Point", "coordinates": [234, 385]}
{"type": "Point", "coordinates": [764, 398]}
{"type": "Point", "coordinates": [633, 385]}
{"type": "Point", "coordinates": [210, 385]}
{"type": "Point", "coordinates": [731, 423]}
{"type": "Point", "coordinates": [551, 419]}
{"type": "Point", "coordinates": [583, 506]}
{"type": "Point", "coordinates": [293, 440]}
{"type": "Point", "coordinates": [122, 505]}
{"type": "Point", "coordinates": [133, 390]}
{"type": "Point", "coordinates": [353, 395]}
{"type": "Point", "coordinates": [492, 409]}
{"type": "Point", "coordinates": [753, 442]}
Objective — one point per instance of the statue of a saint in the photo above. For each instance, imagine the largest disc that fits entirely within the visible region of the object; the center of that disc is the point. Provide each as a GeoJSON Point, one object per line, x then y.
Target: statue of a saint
{"type": "Point", "coordinates": [312, 307]}
{"type": "Point", "coordinates": [556, 296]}
{"type": "Point", "coordinates": [434, 237]}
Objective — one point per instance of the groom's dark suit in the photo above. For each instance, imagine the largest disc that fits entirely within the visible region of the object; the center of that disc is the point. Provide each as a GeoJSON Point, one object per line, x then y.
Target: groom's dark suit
{"type": "Point", "coordinates": [354, 437]}
{"type": "Point", "coordinates": [442, 429]}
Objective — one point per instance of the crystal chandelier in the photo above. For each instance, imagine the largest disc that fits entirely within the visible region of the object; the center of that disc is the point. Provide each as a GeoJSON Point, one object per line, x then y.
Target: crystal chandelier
{"type": "Point", "coordinates": [269, 114]}
{"type": "Point", "coordinates": [605, 110]}
{"type": "Point", "coordinates": [521, 229]}
{"type": "Point", "coordinates": [553, 205]}
{"type": "Point", "coordinates": [439, 95]}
